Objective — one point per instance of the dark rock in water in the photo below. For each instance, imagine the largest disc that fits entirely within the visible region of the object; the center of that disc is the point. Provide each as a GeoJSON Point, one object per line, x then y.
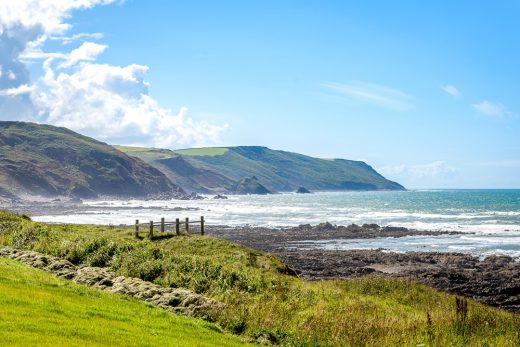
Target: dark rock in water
{"type": "Point", "coordinates": [194, 196]}
{"type": "Point", "coordinates": [371, 226]}
{"type": "Point", "coordinates": [389, 228]}
{"type": "Point", "coordinates": [250, 185]}
{"type": "Point", "coordinates": [354, 228]}
{"type": "Point", "coordinates": [325, 226]}
{"type": "Point", "coordinates": [304, 226]}
{"type": "Point", "coordinates": [303, 190]}
{"type": "Point", "coordinates": [221, 197]}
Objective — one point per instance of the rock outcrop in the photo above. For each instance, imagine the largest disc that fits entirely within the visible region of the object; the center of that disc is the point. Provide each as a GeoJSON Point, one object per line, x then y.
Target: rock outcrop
{"type": "Point", "coordinates": [303, 190]}
{"type": "Point", "coordinates": [176, 300]}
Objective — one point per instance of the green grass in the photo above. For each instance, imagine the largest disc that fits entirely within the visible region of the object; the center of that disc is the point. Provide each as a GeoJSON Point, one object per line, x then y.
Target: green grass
{"type": "Point", "coordinates": [146, 152]}
{"type": "Point", "coordinates": [285, 171]}
{"type": "Point", "coordinates": [37, 308]}
{"type": "Point", "coordinates": [204, 151]}
{"type": "Point", "coordinates": [264, 304]}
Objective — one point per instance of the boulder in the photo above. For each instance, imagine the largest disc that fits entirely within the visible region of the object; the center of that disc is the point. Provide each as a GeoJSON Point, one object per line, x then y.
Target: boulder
{"type": "Point", "coordinates": [303, 190]}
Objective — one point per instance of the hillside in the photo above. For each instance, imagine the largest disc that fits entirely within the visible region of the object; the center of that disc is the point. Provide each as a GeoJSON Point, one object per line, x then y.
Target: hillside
{"type": "Point", "coordinates": [39, 309]}
{"type": "Point", "coordinates": [276, 170]}
{"type": "Point", "coordinates": [183, 172]}
{"type": "Point", "coordinates": [263, 302]}
{"type": "Point", "coordinates": [44, 160]}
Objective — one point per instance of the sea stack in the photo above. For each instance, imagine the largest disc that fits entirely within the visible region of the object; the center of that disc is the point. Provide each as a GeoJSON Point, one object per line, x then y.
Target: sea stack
{"type": "Point", "coordinates": [303, 190]}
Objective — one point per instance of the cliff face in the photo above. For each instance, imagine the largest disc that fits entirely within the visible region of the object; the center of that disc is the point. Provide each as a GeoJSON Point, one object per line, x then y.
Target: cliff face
{"type": "Point", "coordinates": [286, 171]}
{"type": "Point", "coordinates": [222, 169]}
{"type": "Point", "coordinates": [50, 161]}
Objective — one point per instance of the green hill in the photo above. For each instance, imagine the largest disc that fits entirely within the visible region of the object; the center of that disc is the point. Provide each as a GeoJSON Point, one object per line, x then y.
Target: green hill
{"type": "Point", "coordinates": [38, 309]}
{"type": "Point", "coordinates": [183, 172]}
{"type": "Point", "coordinates": [276, 170]}
{"type": "Point", "coordinates": [286, 171]}
{"type": "Point", "coordinates": [39, 159]}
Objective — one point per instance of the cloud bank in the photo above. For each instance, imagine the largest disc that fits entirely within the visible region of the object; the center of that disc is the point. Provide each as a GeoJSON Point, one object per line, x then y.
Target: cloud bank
{"type": "Point", "coordinates": [105, 101]}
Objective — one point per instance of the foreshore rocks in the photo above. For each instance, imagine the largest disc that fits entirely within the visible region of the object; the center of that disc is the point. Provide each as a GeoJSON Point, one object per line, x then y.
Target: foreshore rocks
{"type": "Point", "coordinates": [494, 280]}
{"type": "Point", "coordinates": [176, 300]}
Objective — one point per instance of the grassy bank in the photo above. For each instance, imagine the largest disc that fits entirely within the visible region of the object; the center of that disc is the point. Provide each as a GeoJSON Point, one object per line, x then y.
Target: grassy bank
{"type": "Point", "coordinates": [265, 304]}
{"type": "Point", "coordinates": [37, 308]}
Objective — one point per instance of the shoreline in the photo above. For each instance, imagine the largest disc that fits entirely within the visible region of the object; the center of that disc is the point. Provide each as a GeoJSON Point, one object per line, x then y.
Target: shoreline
{"type": "Point", "coordinates": [494, 280]}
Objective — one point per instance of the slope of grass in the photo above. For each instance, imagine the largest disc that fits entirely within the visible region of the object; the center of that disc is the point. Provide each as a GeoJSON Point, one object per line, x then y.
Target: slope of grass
{"type": "Point", "coordinates": [146, 152]}
{"type": "Point", "coordinates": [276, 170]}
{"type": "Point", "coordinates": [286, 171]}
{"type": "Point", "coordinates": [53, 161]}
{"type": "Point", "coordinates": [204, 151]}
{"type": "Point", "coordinates": [37, 308]}
{"type": "Point", "coordinates": [263, 303]}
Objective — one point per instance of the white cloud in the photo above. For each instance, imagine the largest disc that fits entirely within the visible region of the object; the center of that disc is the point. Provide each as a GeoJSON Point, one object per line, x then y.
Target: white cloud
{"type": "Point", "coordinates": [78, 37]}
{"type": "Point", "coordinates": [46, 16]}
{"type": "Point", "coordinates": [493, 109]}
{"type": "Point", "coordinates": [88, 51]}
{"type": "Point", "coordinates": [22, 89]}
{"type": "Point", "coordinates": [378, 95]}
{"type": "Point", "coordinates": [100, 100]}
{"type": "Point", "coordinates": [432, 169]}
{"type": "Point", "coordinates": [452, 90]}
{"type": "Point", "coordinates": [112, 103]}
{"type": "Point", "coordinates": [11, 75]}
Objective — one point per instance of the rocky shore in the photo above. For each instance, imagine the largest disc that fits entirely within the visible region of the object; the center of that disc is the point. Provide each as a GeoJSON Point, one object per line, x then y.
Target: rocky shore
{"type": "Point", "coordinates": [494, 280]}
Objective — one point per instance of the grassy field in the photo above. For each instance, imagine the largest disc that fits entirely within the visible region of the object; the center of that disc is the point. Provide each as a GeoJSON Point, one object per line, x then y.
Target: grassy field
{"type": "Point", "coordinates": [204, 151]}
{"type": "Point", "coordinates": [37, 308]}
{"type": "Point", "coordinates": [146, 152]}
{"type": "Point", "coordinates": [265, 305]}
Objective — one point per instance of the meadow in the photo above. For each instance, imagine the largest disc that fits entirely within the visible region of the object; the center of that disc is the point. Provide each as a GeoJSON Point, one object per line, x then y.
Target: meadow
{"type": "Point", "coordinates": [263, 302]}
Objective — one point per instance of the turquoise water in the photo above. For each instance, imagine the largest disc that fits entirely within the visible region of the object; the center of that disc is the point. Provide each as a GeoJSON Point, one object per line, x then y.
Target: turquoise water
{"type": "Point", "coordinates": [491, 218]}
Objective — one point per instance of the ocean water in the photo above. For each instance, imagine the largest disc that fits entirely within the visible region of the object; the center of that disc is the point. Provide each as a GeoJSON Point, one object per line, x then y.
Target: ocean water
{"type": "Point", "coordinates": [490, 219]}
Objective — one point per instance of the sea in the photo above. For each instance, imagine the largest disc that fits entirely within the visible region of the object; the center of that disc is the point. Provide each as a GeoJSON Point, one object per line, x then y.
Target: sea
{"type": "Point", "coordinates": [489, 220]}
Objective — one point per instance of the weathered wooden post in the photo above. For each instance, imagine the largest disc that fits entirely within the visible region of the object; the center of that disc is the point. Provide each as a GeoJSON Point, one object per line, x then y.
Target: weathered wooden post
{"type": "Point", "coordinates": [177, 226]}
{"type": "Point", "coordinates": [150, 232]}
{"type": "Point", "coordinates": [187, 225]}
{"type": "Point", "coordinates": [162, 224]}
{"type": "Point", "coordinates": [202, 225]}
{"type": "Point", "coordinates": [136, 228]}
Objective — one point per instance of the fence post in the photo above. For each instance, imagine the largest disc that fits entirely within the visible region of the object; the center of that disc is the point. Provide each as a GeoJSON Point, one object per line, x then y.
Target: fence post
{"type": "Point", "coordinates": [150, 232]}
{"type": "Point", "coordinates": [187, 225]}
{"type": "Point", "coordinates": [162, 225]}
{"type": "Point", "coordinates": [137, 228]}
{"type": "Point", "coordinates": [177, 226]}
{"type": "Point", "coordinates": [202, 225]}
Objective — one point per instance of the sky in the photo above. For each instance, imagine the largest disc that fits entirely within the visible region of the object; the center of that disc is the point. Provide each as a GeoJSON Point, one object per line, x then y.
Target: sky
{"type": "Point", "coordinates": [427, 92]}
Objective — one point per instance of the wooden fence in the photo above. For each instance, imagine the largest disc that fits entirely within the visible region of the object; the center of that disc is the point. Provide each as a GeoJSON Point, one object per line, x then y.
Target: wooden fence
{"type": "Point", "coordinates": [163, 224]}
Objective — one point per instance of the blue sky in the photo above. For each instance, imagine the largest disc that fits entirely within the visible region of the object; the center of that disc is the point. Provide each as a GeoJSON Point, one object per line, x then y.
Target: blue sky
{"type": "Point", "coordinates": [425, 92]}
